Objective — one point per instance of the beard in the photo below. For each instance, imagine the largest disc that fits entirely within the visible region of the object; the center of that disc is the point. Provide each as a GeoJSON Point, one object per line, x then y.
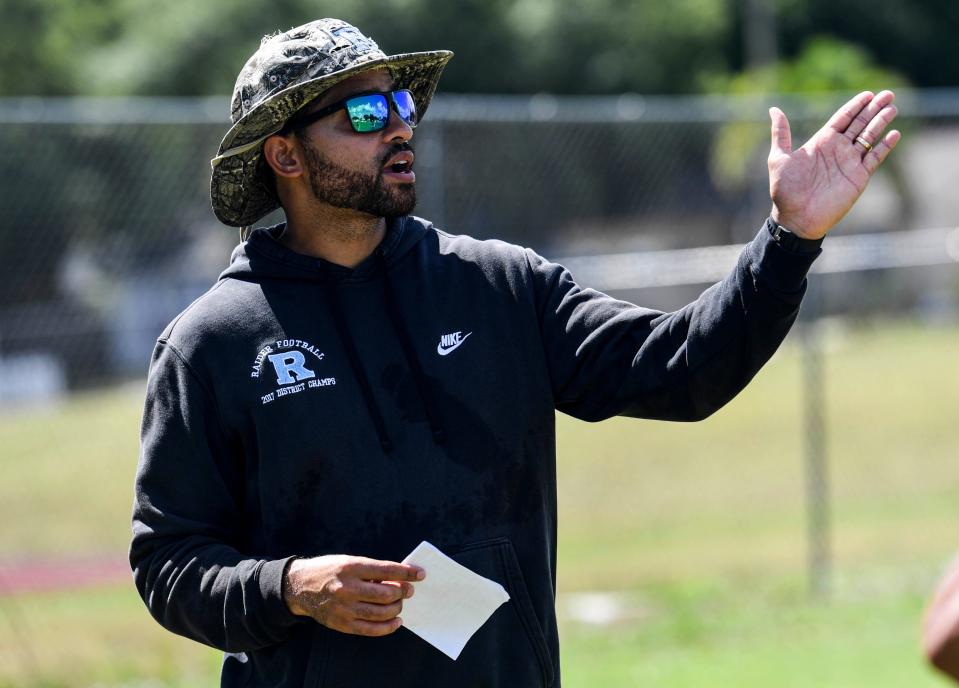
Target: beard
{"type": "Point", "coordinates": [366, 192]}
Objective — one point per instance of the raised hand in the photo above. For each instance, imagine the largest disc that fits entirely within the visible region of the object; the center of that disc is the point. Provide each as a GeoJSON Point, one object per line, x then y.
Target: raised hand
{"type": "Point", "coordinates": [350, 594]}
{"type": "Point", "coordinates": [813, 187]}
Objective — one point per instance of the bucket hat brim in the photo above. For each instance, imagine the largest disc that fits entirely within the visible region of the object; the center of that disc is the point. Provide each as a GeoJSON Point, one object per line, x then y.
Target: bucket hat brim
{"type": "Point", "coordinates": [239, 192]}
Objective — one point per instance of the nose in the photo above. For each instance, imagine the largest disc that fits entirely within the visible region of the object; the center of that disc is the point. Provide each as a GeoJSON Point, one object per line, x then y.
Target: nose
{"type": "Point", "coordinates": [396, 129]}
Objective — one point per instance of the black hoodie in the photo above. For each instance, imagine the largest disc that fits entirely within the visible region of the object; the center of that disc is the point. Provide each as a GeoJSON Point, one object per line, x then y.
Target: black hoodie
{"type": "Point", "coordinates": [299, 408]}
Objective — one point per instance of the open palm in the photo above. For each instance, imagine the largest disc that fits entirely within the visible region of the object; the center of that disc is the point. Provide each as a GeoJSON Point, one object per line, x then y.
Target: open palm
{"type": "Point", "coordinates": [814, 186]}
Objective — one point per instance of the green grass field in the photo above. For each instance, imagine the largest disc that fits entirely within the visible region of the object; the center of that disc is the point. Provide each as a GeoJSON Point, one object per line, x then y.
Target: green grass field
{"type": "Point", "coordinates": [698, 529]}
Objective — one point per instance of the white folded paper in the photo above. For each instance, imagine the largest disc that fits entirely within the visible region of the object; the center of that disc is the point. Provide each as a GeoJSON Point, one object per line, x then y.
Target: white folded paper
{"type": "Point", "coordinates": [451, 603]}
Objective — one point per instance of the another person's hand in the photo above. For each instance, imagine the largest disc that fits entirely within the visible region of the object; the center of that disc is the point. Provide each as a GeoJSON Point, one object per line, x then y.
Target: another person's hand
{"type": "Point", "coordinates": [350, 594]}
{"type": "Point", "coordinates": [940, 627]}
{"type": "Point", "coordinates": [814, 186]}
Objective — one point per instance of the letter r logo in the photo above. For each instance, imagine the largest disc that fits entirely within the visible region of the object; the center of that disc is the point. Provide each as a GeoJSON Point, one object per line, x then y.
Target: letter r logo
{"type": "Point", "coordinates": [290, 367]}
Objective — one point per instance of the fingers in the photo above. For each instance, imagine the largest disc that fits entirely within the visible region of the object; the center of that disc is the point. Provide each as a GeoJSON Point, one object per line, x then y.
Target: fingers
{"type": "Point", "coordinates": [370, 620]}
{"type": "Point", "coordinates": [877, 125]}
{"type": "Point", "coordinates": [376, 570]}
{"type": "Point", "coordinates": [874, 158]}
{"type": "Point", "coordinates": [348, 613]}
{"type": "Point", "coordinates": [381, 593]}
{"type": "Point", "coordinates": [879, 108]}
{"type": "Point", "coordinates": [350, 594]}
{"type": "Point", "coordinates": [376, 612]}
{"type": "Point", "coordinates": [373, 629]}
{"type": "Point", "coordinates": [845, 115]}
{"type": "Point", "coordinates": [865, 117]}
{"type": "Point", "coordinates": [781, 135]}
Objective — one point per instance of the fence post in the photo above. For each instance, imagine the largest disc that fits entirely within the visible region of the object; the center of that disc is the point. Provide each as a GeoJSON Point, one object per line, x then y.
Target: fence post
{"type": "Point", "coordinates": [814, 425]}
{"type": "Point", "coordinates": [431, 158]}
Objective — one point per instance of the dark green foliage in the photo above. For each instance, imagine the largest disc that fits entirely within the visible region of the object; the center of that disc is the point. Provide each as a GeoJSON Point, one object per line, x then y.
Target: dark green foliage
{"type": "Point", "coordinates": [185, 47]}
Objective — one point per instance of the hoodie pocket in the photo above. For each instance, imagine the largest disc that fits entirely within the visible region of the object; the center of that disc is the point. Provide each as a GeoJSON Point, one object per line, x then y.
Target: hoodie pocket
{"type": "Point", "coordinates": [508, 651]}
{"type": "Point", "coordinates": [496, 559]}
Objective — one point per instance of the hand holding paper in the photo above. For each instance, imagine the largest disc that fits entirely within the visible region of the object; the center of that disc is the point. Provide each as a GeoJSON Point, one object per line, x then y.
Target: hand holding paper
{"type": "Point", "coordinates": [451, 604]}
{"type": "Point", "coordinates": [349, 594]}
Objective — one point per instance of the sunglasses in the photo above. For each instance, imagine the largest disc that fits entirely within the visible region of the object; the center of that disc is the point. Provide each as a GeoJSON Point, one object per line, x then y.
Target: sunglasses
{"type": "Point", "coordinates": [368, 112]}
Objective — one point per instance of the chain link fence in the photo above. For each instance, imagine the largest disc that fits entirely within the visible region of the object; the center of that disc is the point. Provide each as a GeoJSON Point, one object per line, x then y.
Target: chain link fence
{"type": "Point", "coordinates": [107, 231]}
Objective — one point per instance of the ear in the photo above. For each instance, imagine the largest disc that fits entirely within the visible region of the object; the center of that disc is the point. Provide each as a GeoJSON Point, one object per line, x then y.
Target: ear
{"type": "Point", "coordinates": [283, 156]}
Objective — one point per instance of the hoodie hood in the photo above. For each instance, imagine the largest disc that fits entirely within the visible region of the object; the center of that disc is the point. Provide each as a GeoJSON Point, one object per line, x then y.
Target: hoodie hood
{"type": "Point", "coordinates": [262, 256]}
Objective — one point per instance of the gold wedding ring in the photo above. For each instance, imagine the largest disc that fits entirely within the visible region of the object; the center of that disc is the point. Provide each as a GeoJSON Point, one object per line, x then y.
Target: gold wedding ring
{"type": "Point", "coordinates": [864, 143]}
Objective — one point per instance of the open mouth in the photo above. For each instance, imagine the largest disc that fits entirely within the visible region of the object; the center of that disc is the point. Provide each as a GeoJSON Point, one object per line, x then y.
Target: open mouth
{"type": "Point", "coordinates": [401, 166]}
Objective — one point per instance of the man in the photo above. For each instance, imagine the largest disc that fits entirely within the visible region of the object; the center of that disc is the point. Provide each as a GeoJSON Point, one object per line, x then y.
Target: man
{"type": "Point", "coordinates": [359, 381]}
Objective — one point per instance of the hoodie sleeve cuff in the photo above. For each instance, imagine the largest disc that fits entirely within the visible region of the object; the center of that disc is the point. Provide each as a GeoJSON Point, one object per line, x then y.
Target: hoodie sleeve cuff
{"type": "Point", "coordinates": [777, 267]}
{"type": "Point", "coordinates": [271, 588]}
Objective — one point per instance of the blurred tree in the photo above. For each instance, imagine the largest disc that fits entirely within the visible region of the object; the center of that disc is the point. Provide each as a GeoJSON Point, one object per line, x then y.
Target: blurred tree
{"type": "Point", "coordinates": [915, 38]}
{"type": "Point", "coordinates": [44, 43]}
{"type": "Point", "coordinates": [610, 46]}
{"type": "Point", "coordinates": [194, 48]}
{"type": "Point", "coordinates": [188, 48]}
{"type": "Point", "coordinates": [825, 67]}
{"type": "Point", "coordinates": [185, 47]}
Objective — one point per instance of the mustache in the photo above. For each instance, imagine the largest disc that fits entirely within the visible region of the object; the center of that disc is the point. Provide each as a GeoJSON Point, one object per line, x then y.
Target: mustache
{"type": "Point", "coordinates": [397, 148]}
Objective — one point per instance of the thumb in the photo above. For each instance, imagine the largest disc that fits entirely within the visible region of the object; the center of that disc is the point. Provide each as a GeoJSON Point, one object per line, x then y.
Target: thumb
{"type": "Point", "coordinates": [782, 140]}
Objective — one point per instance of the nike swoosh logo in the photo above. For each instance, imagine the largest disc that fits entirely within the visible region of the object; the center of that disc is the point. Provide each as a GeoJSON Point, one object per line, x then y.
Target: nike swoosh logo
{"type": "Point", "coordinates": [443, 352]}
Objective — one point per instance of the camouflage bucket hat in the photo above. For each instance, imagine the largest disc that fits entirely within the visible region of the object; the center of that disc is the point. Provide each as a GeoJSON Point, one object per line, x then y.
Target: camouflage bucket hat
{"type": "Point", "coordinates": [288, 71]}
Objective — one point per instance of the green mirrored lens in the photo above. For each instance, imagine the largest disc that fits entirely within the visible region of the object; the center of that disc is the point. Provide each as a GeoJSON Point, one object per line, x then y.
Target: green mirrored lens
{"type": "Point", "coordinates": [368, 113]}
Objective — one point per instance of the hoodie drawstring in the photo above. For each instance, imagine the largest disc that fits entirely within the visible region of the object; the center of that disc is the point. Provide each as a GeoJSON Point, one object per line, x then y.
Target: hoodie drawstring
{"type": "Point", "coordinates": [358, 371]}
{"type": "Point", "coordinates": [419, 377]}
